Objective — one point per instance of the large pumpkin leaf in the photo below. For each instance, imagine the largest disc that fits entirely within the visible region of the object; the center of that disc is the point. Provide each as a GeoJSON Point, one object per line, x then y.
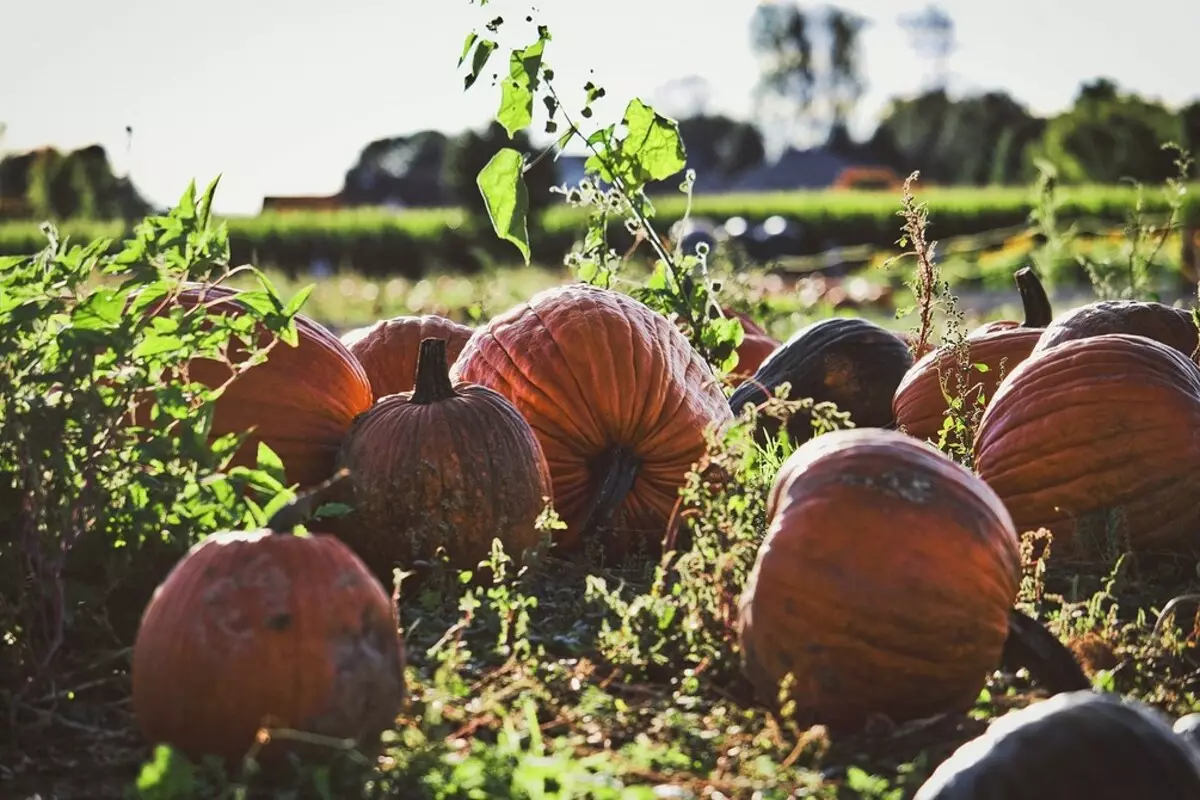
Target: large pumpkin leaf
{"type": "Point", "coordinates": [502, 184]}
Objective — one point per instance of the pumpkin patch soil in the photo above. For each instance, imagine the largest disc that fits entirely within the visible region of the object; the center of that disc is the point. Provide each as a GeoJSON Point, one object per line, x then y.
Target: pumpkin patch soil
{"type": "Point", "coordinates": [85, 745]}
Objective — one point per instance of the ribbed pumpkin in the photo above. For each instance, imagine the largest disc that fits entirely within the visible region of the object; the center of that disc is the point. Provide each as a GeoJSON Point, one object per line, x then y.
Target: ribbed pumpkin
{"type": "Point", "coordinates": [446, 465]}
{"type": "Point", "coordinates": [848, 361]}
{"type": "Point", "coordinates": [618, 398]}
{"type": "Point", "coordinates": [1074, 746]}
{"type": "Point", "coordinates": [756, 346]}
{"type": "Point", "coordinates": [1171, 326]}
{"type": "Point", "coordinates": [1095, 440]}
{"type": "Point", "coordinates": [919, 404]}
{"type": "Point", "coordinates": [300, 401]}
{"type": "Point", "coordinates": [265, 628]}
{"type": "Point", "coordinates": [388, 349]}
{"type": "Point", "coordinates": [884, 583]}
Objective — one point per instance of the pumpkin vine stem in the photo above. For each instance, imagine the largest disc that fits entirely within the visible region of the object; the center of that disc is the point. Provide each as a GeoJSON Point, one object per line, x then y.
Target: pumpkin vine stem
{"type": "Point", "coordinates": [1048, 660]}
{"type": "Point", "coordinates": [301, 507]}
{"type": "Point", "coordinates": [617, 470]}
{"type": "Point", "coordinates": [432, 384]}
{"type": "Point", "coordinates": [1038, 313]}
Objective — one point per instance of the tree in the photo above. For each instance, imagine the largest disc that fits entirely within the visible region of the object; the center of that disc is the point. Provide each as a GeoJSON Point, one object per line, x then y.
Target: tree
{"type": "Point", "coordinates": [977, 140]}
{"type": "Point", "coordinates": [400, 169]}
{"type": "Point", "coordinates": [931, 32]}
{"type": "Point", "coordinates": [470, 152]}
{"type": "Point", "coordinates": [1109, 136]}
{"type": "Point", "coordinates": [683, 98]}
{"type": "Point", "coordinates": [1189, 121]}
{"type": "Point", "coordinates": [811, 77]}
{"type": "Point", "coordinates": [80, 184]}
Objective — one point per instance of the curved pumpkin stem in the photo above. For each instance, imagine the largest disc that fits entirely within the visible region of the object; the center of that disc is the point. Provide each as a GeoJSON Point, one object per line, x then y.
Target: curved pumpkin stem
{"type": "Point", "coordinates": [1038, 313]}
{"type": "Point", "coordinates": [1049, 662]}
{"type": "Point", "coordinates": [302, 506]}
{"type": "Point", "coordinates": [617, 469]}
{"type": "Point", "coordinates": [432, 383]}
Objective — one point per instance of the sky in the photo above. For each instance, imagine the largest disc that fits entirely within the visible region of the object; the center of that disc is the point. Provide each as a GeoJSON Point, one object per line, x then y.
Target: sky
{"type": "Point", "coordinates": [280, 96]}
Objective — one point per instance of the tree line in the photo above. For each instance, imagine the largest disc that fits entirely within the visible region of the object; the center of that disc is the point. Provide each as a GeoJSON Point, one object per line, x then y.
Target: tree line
{"type": "Point", "coordinates": [811, 81]}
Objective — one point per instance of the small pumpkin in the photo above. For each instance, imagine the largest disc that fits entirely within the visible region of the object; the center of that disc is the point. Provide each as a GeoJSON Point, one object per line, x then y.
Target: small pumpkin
{"type": "Point", "coordinates": [919, 404]}
{"type": "Point", "coordinates": [1171, 326]}
{"type": "Point", "coordinates": [851, 362]}
{"type": "Point", "coordinates": [300, 401]}
{"type": "Point", "coordinates": [884, 583]}
{"type": "Point", "coordinates": [756, 346]}
{"type": "Point", "coordinates": [1074, 746]}
{"type": "Point", "coordinates": [388, 349]}
{"type": "Point", "coordinates": [264, 628]}
{"type": "Point", "coordinates": [1094, 440]}
{"type": "Point", "coordinates": [444, 465]}
{"type": "Point", "coordinates": [619, 400]}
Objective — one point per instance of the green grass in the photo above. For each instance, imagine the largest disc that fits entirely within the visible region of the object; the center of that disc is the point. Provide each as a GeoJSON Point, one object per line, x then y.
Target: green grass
{"type": "Point", "coordinates": [417, 242]}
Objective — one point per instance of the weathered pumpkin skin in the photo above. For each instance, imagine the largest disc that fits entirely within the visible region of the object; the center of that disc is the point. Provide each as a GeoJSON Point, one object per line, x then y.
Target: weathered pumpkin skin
{"type": "Point", "coordinates": [848, 361]}
{"type": "Point", "coordinates": [300, 401]}
{"type": "Point", "coordinates": [444, 465]}
{"type": "Point", "coordinates": [619, 400]}
{"type": "Point", "coordinates": [919, 405]}
{"type": "Point", "coordinates": [1095, 425]}
{"type": "Point", "coordinates": [388, 349]}
{"type": "Point", "coordinates": [1074, 746]}
{"type": "Point", "coordinates": [262, 628]}
{"type": "Point", "coordinates": [1162, 323]}
{"type": "Point", "coordinates": [884, 583]}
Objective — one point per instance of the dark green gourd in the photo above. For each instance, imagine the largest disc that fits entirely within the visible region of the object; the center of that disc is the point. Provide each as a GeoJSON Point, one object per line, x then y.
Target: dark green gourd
{"type": "Point", "coordinates": [851, 362]}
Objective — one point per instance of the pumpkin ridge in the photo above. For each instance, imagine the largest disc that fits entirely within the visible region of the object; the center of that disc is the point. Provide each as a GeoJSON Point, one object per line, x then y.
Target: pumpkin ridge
{"type": "Point", "coordinates": [569, 365]}
{"type": "Point", "coordinates": [497, 373]}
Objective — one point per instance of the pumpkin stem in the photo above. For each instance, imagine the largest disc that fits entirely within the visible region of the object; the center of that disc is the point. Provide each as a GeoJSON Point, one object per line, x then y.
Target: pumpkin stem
{"type": "Point", "coordinates": [1049, 662]}
{"type": "Point", "coordinates": [1038, 313]}
{"type": "Point", "coordinates": [617, 470]}
{"type": "Point", "coordinates": [302, 506]}
{"type": "Point", "coordinates": [432, 384]}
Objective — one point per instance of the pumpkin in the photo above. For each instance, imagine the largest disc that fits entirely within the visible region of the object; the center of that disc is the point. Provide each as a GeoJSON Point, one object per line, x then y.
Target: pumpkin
{"type": "Point", "coordinates": [1093, 439]}
{"type": "Point", "coordinates": [444, 465]}
{"type": "Point", "coordinates": [756, 346]}
{"type": "Point", "coordinates": [300, 401]}
{"type": "Point", "coordinates": [851, 362]}
{"type": "Point", "coordinates": [919, 404]}
{"type": "Point", "coordinates": [388, 349]}
{"type": "Point", "coordinates": [1074, 746]}
{"type": "Point", "coordinates": [1171, 326]}
{"type": "Point", "coordinates": [884, 583]}
{"type": "Point", "coordinates": [619, 400]}
{"type": "Point", "coordinates": [264, 628]}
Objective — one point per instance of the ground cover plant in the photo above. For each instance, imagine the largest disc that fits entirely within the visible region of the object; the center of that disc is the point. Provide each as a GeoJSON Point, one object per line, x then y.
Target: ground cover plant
{"type": "Point", "coordinates": [537, 673]}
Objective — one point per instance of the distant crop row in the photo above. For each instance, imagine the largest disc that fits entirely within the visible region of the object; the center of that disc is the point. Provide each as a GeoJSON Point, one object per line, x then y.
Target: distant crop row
{"type": "Point", "coordinates": [414, 242]}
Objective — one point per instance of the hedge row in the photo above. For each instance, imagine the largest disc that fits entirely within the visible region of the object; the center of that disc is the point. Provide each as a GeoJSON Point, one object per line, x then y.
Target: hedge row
{"type": "Point", "coordinates": [416, 242]}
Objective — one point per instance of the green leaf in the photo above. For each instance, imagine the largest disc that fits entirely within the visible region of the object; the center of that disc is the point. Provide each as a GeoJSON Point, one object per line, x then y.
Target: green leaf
{"type": "Point", "coordinates": [101, 310]}
{"type": "Point", "coordinates": [297, 302]}
{"type": "Point", "coordinates": [483, 52]}
{"type": "Point", "coordinates": [516, 93]}
{"type": "Point", "coordinates": [472, 37]}
{"type": "Point", "coordinates": [156, 344]}
{"type": "Point", "coordinates": [502, 184]}
{"type": "Point", "coordinates": [653, 141]}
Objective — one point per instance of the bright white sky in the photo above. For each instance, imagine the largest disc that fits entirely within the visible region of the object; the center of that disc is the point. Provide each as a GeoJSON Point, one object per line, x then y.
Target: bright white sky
{"type": "Point", "coordinates": [280, 95]}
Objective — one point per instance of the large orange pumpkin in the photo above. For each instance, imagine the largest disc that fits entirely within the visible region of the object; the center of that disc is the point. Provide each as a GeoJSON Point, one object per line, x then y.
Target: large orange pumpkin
{"type": "Point", "coordinates": [1171, 326]}
{"type": "Point", "coordinates": [300, 401]}
{"type": "Point", "coordinates": [269, 629]}
{"type": "Point", "coordinates": [1095, 439]}
{"type": "Point", "coordinates": [444, 465]}
{"type": "Point", "coordinates": [618, 398]}
{"type": "Point", "coordinates": [388, 349]}
{"type": "Point", "coordinates": [884, 583]}
{"type": "Point", "coordinates": [848, 361]}
{"type": "Point", "coordinates": [920, 405]}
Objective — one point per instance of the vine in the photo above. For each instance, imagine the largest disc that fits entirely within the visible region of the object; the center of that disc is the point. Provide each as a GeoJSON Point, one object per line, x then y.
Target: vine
{"type": "Point", "coordinates": [623, 159]}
